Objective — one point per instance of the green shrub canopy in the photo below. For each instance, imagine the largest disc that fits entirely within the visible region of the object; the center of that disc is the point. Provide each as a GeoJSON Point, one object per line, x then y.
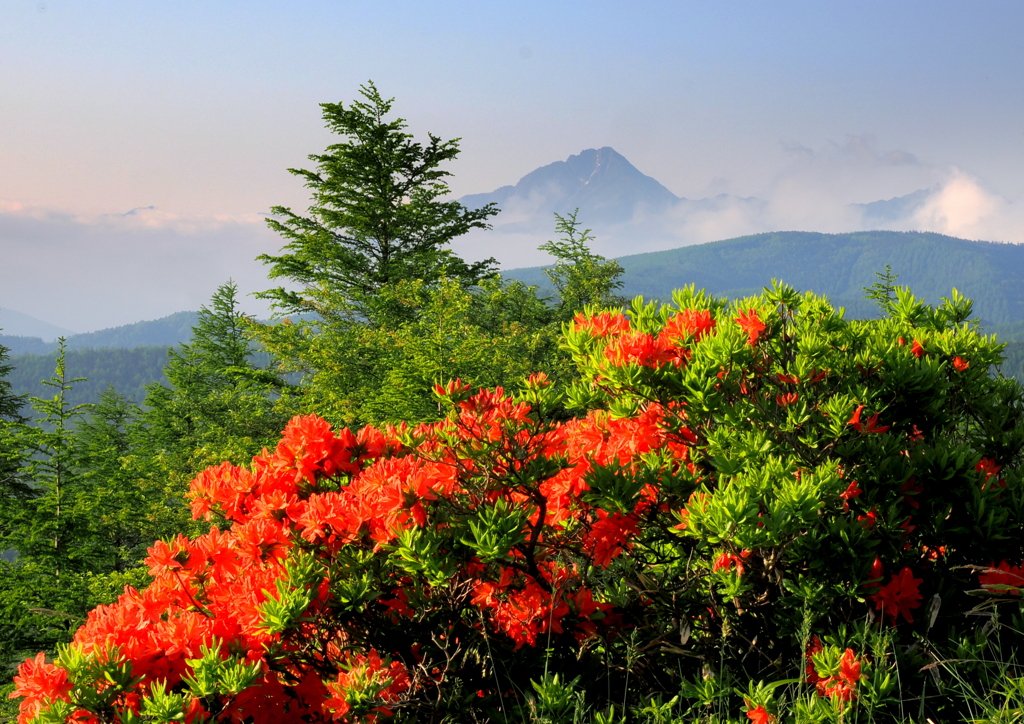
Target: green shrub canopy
{"type": "Point", "coordinates": [760, 505]}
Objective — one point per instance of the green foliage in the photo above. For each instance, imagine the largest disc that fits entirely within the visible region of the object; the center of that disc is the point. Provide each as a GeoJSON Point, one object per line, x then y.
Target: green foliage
{"type": "Point", "coordinates": [218, 405]}
{"type": "Point", "coordinates": [10, 419]}
{"type": "Point", "coordinates": [42, 593]}
{"type": "Point", "coordinates": [98, 483]}
{"type": "Point", "coordinates": [746, 488]}
{"type": "Point", "coordinates": [581, 278]}
{"type": "Point", "coordinates": [495, 334]}
{"type": "Point", "coordinates": [375, 217]}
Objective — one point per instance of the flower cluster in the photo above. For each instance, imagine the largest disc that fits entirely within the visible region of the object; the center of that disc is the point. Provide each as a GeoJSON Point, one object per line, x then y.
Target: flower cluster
{"type": "Point", "coordinates": [722, 462]}
{"type": "Point", "coordinates": [835, 679]}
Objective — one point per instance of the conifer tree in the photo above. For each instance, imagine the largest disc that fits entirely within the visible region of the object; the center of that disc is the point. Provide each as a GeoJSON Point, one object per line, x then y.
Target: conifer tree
{"type": "Point", "coordinates": [43, 591]}
{"type": "Point", "coordinates": [218, 404]}
{"type": "Point", "coordinates": [580, 276]}
{"type": "Point", "coordinates": [10, 421]}
{"type": "Point", "coordinates": [48, 522]}
{"type": "Point", "coordinates": [116, 506]}
{"type": "Point", "coordinates": [375, 217]}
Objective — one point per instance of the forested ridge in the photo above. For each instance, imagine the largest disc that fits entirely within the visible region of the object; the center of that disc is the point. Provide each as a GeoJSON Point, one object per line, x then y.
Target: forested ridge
{"type": "Point", "coordinates": [129, 371]}
{"type": "Point", "coordinates": [837, 265]}
{"type": "Point", "coordinates": [164, 332]}
{"type": "Point", "coordinates": [429, 492]}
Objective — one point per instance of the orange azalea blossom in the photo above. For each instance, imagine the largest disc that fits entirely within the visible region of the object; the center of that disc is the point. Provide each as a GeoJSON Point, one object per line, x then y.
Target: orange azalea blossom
{"type": "Point", "coordinates": [455, 389]}
{"type": "Point", "coordinates": [933, 554]}
{"type": "Point", "coordinates": [988, 467]}
{"type": "Point", "coordinates": [871, 425]}
{"type": "Point", "coordinates": [751, 324]}
{"type": "Point", "coordinates": [868, 519]}
{"type": "Point", "coordinates": [689, 324]}
{"type": "Point", "coordinates": [728, 561]}
{"type": "Point", "coordinates": [643, 349]}
{"type": "Point", "coordinates": [851, 492]}
{"type": "Point", "coordinates": [786, 399]}
{"type": "Point", "coordinates": [39, 682]}
{"type": "Point", "coordinates": [817, 376]}
{"type": "Point", "coordinates": [1006, 578]}
{"type": "Point", "coordinates": [875, 574]}
{"type": "Point", "coordinates": [900, 596]}
{"type": "Point", "coordinates": [918, 350]}
{"type": "Point", "coordinates": [841, 686]}
{"type": "Point", "coordinates": [960, 364]}
{"type": "Point", "coordinates": [602, 325]}
{"type": "Point", "coordinates": [366, 672]}
{"type": "Point", "coordinates": [813, 647]}
{"type": "Point", "coordinates": [759, 715]}
{"type": "Point", "coordinates": [911, 489]}
{"type": "Point", "coordinates": [608, 536]}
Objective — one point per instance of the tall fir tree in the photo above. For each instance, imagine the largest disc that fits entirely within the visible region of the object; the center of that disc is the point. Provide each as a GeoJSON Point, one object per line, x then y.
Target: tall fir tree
{"type": "Point", "coordinates": [11, 421]}
{"type": "Point", "coordinates": [118, 509]}
{"type": "Point", "coordinates": [219, 404]}
{"type": "Point", "coordinates": [44, 589]}
{"type": "Point", "coordinates": [581, 278]}
{"type": "Point", "coordinates": [376, 217]}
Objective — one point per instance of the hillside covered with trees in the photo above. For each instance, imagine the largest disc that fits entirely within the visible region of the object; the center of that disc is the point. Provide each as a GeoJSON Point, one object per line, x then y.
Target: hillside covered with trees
{"type": "Point", "coordinates": [836, 265]}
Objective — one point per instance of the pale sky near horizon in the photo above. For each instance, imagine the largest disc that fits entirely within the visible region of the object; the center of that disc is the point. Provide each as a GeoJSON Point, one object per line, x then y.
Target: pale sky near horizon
{"type": "Point", "coordinates": [197, 109]}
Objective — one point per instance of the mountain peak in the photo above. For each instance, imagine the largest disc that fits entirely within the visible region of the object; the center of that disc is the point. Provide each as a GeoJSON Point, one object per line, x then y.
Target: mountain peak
{"type": "Point", "coordinates": [600, 182]}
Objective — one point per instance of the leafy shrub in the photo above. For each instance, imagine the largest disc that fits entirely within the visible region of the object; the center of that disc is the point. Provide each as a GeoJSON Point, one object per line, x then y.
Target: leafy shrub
{"type": "Point", "coordinates": [762, 510]}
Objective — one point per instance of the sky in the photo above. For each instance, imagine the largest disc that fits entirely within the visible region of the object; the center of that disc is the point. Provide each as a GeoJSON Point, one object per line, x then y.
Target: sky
{"type": "Point", "coordinates": [141, 142]}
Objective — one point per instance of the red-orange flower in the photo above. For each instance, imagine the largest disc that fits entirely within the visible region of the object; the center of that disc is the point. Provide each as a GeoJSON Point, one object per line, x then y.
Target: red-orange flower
{"type": "Point", "coordinates": [751, 324]}
{"type": "Point", "coordinates": [991, 470]}
{"type": "Point", "coordinates": [960, 364]}
{"type": "Point", "coordinates": [871, 425]}
{"type": "Point", "coordinates": [843, 686]}
{"type": "Point", "coordinates": [869, 519]}
{"type": "Point", "coordinates": [851, 492]}
{"type": "Point", "coordinates": [689, 323]}
{"type": "Point", "coordinates": [786, 398]}
{"type": "Point", "coordinates": [900, 596]}
{"type": "Point", "coordinates": [728, 561]}
{"type": "Point", "coordinates": [759, 715]}
{"type": "Point", "coordinates": [602, 325]}
{"type": "Point", "coordinates": [39, 682]}
{"type": "Point", "coordinates": [1009, 579]}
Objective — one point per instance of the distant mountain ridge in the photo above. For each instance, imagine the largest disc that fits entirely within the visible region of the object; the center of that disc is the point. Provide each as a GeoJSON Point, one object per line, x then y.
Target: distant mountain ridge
{"type": "Point", "coordinates": [164, 332]}
{"type": "Point", "coordinates": [838, 265]}
{"type": "Point", "coordinates": [632, 213]}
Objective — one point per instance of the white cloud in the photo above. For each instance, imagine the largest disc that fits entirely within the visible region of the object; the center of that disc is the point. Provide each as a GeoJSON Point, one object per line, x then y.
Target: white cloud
{"type": "Point", "coordinates": [961, 207]}
{"type": "Point", "coordinates": [90, 272]}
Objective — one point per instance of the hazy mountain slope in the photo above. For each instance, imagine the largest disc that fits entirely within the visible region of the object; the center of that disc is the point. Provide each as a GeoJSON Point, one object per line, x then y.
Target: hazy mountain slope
{"type": "Point", "coordinates": [164, 332]}
{"type": "Point", "coordinates": [128, 370]}
{"type": "Point", "coordinates": [14, 323]}
{"type": "Point", "coordinates": [838, 265]}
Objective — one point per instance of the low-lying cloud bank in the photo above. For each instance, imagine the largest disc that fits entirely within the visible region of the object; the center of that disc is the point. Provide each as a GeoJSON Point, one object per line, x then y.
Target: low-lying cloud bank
{"type": "Point", "coordinates": [87, 273]}
{"type": "Point", "coordinates": [853, 185]}
{"type": "Point", "coordinates": [958, 206]}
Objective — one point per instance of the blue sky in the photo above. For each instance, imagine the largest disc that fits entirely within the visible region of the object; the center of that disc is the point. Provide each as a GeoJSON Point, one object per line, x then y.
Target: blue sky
{"type": "Point", "coordinates": [197, 109]}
